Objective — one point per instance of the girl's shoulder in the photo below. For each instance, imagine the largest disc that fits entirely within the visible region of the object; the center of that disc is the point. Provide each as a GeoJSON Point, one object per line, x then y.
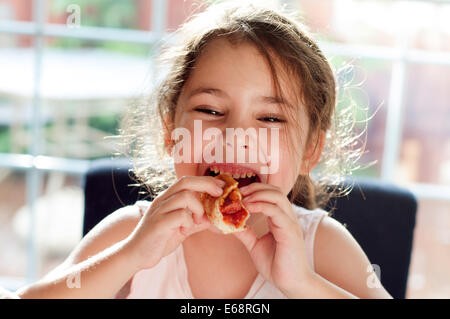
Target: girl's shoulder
{"type": "Point", "coordinates": [309, 219]}
{"type": "Point", "coordinates": [302, 211]}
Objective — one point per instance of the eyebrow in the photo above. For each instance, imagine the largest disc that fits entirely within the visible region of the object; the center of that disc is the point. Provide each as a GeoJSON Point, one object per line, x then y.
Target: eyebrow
{"type": "Point", "coordinates": [220, 93]}
{"type": "Point", "coordinates": [207, 90]}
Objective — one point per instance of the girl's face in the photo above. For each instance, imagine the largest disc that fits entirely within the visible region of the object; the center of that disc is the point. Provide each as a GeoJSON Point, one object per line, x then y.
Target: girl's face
{"type": "Point", "coordinates": [231, 86]}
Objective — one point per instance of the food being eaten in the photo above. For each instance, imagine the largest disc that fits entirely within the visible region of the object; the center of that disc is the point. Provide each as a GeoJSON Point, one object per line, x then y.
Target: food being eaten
{"type": "Point", "coordinates": [226, 212]}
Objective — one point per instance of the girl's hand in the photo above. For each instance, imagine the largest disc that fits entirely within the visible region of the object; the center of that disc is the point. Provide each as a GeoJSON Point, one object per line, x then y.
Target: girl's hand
{"type": "Point", "coordinates": [171, 217]}
{"type": "Point", "coordinates": [280, 254]}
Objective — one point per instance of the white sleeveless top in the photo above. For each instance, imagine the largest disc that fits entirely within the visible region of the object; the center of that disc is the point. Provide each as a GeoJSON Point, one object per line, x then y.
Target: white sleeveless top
{"type": "Point", "coordinates": [169, 278]}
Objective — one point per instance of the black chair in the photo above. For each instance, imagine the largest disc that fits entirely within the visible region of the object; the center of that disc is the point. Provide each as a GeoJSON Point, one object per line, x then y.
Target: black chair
{"type": "Point", "coordinates": [380, 216]}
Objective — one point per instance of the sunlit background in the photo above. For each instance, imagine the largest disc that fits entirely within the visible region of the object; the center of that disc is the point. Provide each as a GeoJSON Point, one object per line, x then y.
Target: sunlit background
{"type": "Point", "coordinates": [63, 88]}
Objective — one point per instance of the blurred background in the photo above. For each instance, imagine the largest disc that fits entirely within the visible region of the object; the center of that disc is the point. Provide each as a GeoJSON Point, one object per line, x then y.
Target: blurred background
{"type": "Point", "coordinates": [68, 68]}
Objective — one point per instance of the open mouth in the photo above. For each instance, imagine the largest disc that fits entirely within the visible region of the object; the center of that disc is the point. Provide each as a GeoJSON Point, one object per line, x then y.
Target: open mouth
{"type": "Point", "coordinates": [244, 178]}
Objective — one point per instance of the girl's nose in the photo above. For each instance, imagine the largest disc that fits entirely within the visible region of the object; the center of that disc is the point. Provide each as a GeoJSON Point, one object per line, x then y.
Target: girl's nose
{"type": "Point", "coordinates": [244, 146]}
{"type": "Point", "coordinates": [241, 133]}
{"type": "Point", "coordinates": [239, 119]}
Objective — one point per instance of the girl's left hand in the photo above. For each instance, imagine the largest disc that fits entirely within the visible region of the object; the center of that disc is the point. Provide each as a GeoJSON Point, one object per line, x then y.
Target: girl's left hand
{"type": "Point", "coordinates": [279, 255]}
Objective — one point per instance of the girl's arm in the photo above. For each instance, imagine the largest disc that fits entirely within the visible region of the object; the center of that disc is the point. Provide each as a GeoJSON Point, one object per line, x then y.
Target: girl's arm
{"type": "Point", "coordinates": [103, 274]}
{"type": "Point", "coordinates": [341, 266]}
{"type": "Point", "coordinates": [129, 240]}
{"type": "Point", "coordinates": [100, 276]}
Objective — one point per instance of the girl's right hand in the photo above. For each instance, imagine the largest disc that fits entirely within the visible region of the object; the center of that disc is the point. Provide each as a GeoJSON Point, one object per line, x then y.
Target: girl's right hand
{"type": "Point", "coordinates": [172, 217]}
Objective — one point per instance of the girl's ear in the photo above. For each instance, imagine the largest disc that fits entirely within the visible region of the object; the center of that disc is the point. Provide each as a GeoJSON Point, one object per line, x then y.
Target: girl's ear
{"type": "Point", "coordinates": [312, 154]}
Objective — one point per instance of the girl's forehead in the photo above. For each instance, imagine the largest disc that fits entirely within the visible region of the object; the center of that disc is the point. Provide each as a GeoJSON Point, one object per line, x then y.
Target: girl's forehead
{"type": "Point", "coordinates": [227, 63]}
{"type": "Point", "coordinates": [238, 67]}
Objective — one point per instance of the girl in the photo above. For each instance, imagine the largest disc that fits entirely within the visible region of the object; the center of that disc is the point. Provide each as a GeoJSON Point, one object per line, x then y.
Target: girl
{"type": "Point", "coordinates": [234, 66]}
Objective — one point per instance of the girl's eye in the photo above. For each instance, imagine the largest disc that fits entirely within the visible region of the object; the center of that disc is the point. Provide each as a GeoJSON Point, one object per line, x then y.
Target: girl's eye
{"type": "Point", "coordinates": [208, 111]}
{"type": "Point", "coordinates": [272, 119]}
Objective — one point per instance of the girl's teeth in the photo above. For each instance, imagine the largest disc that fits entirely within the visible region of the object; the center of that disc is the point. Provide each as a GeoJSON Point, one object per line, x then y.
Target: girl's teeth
{"type": "Point", "coordinates": [216, 170]}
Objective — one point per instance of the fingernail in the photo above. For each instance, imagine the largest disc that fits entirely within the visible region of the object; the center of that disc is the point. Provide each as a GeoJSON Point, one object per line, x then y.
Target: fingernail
{"type": "Point", "coordinates": [220, 182]}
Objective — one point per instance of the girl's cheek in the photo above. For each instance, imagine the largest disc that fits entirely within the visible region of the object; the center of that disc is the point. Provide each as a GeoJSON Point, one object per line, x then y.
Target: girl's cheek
{"type": "Point", "coordinates": [287, 172]}
{"type": "Point", "coordinates": [185, 169]}
{"type": "Point", "coordinates": [182, 152]}
{"type": "Point", "coordinates": [188, 152]}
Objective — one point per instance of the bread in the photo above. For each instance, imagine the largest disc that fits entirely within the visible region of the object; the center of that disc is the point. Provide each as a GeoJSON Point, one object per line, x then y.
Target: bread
{"type": "Point", "coordinates": [226, 212]}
